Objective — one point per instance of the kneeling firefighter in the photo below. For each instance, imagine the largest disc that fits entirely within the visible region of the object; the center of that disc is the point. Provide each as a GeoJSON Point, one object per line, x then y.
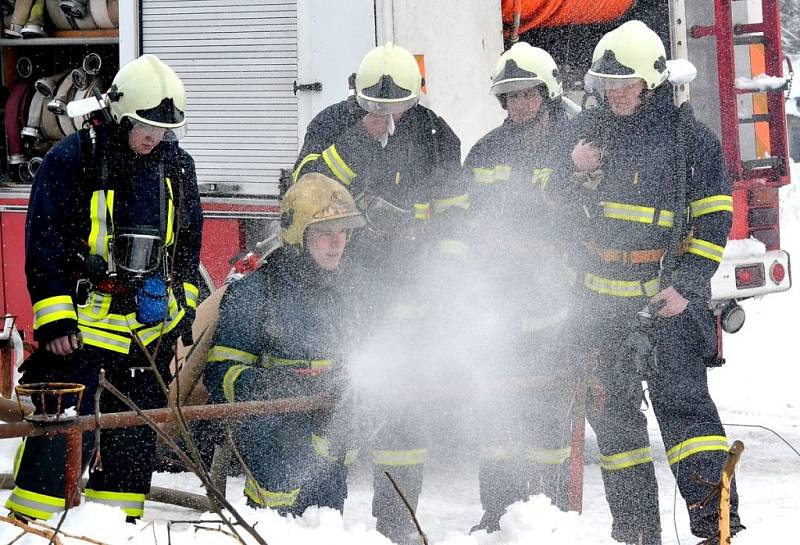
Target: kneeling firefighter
{"type": "Point", "coordinates": [401, 162]}
{"type": "Point", "coordinates": [283, 331]}
{"type": "Point", "coordinates": [112, 253]}
{"type": "Point", "coordinates": [653, 207]}
{"type": "Point", "coordinates": [524, 433]}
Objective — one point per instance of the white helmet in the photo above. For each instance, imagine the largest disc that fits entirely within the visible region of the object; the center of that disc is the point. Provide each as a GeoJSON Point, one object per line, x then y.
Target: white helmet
{"type": "Point", "coordinates": [522, 67]}
{"type": "Point", "coordinates": [631, 51]}
{"type": "Point", "coordinates": [388, 80]}
{"type": "Point", "coordinates": [148, 91]}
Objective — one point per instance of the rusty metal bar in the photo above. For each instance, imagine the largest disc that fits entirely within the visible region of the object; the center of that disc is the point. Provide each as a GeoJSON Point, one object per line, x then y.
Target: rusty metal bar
{"type": "Point", "coordinates": [73, 467]}
{"type": "Point", "coordinates": [575, 490]}
{"type": "Point", "coordinates": [196, 412]}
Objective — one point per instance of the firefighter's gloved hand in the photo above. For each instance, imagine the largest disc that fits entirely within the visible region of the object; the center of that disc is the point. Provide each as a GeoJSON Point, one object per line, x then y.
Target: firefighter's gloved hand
{"type": "Point", "coordinates": [331, 382]}
{"type": "Point", "coordinates": [589, 180]}
{"type": "Point", "coordinates": [278, 382]}
{"type": "Point", "coordinates": [586, 156]}
{"type": "Point", "coordinates": [671, 302]}
{"type": "Point", "coordinates": [187, 338]}
{"type": "Point", "coordinates": [66, 345]}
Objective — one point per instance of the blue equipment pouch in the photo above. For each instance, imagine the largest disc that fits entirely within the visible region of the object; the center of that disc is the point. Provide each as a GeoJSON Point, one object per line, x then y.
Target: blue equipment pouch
{"type": "Point", "coordinates": [151, 301]}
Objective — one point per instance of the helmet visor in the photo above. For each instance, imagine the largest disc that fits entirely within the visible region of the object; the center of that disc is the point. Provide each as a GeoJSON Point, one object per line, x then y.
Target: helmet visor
{"type": "Point", "coordinates": [346, 221]}
{"type": "Point", "coordinates": [159, 133]}
{"type": "Point", "coordinates": [600, 83]}
{"type": "Point", "coordinates": [386, 107]}
{"type": "Point", "coordinates": [512, 85]}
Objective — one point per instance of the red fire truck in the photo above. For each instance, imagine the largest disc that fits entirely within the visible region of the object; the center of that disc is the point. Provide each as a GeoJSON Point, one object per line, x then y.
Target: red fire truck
{"type": "Point", "coordinates": [257, 71]}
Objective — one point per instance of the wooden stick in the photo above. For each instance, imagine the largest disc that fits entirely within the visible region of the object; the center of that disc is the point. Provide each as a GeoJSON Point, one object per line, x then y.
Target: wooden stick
{"type": "Point", "coordinates": [28, 530]}
{"type": "Point", "coordinates": [726, 477]}
{"type": "Point", "coordinates": [408, 506]}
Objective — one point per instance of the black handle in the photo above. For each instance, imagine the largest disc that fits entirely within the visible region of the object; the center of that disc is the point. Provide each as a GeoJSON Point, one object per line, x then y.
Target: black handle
{"type": "Point", "coordinates": [316, 86]}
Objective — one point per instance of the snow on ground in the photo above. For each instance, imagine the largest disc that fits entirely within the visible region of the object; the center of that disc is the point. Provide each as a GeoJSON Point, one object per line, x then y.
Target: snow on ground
{"type": "Point", "coordinates": [757, 387]}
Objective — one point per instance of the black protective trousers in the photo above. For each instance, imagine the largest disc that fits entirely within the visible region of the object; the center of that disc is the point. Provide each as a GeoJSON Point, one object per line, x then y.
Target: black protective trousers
{"type": "Point", "coordinates": [525, 427]}
{"type": "Point", "coordinates": [690, 426]}
{"type": "Point", "coordinates": [127, 455]}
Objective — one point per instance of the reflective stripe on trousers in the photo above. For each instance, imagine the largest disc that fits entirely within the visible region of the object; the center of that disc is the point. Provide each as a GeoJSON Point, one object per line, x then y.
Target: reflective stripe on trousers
{"type": "Point", "coordinates": [400, 457]}
{"type": "Point", "coordinates": [695, 445]}
{"type": "Point", "coordinates": [541, 456]}
{"type": "Point", "coordinates": [624, 460]}
{"type": "Point", "coordinates": [130, 502]}
{"type": "Point", "coordinates": [266, 498]}
{"type": "Point", "coordinates": [33, 504]}
{"type": "Point", "coordinates": [323, 449]}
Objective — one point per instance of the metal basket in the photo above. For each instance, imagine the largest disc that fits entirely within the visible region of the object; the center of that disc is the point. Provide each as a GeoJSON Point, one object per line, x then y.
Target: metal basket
{"type": "Point", "coordinates": [55, 402]}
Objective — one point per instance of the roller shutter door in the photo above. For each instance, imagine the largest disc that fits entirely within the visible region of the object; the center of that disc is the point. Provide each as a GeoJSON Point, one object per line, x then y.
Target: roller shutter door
{"type": "Point", "coordinates": [238, 60]}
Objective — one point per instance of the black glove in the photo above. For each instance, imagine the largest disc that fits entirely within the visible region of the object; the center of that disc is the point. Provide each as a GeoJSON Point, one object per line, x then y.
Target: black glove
{"type": "Point", "coordinates": [188, 319]}
{"type": "Point", "coordinates": [278, 382]}
{"type": "Point", "coordinates": [44, 366]}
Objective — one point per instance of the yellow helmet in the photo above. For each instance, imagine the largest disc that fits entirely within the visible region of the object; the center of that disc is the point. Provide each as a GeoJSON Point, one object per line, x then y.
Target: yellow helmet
{"type": "Point", "coordinates": [388, 80]}
{"type": "Point", "coordinates": [630, 51]}
{"type": "Point", "coordinates": [313, 200]}
{"type": "Point", "coordinates": [524, 66]}
{"type": "Point", "coordinates": [148, 91]}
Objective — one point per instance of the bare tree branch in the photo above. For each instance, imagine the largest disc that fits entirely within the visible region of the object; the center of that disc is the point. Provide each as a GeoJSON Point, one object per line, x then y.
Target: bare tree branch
{"type": "Point", "coordinates": [217, 498]}
{"type": "Point", "coordinates": [422, 535]}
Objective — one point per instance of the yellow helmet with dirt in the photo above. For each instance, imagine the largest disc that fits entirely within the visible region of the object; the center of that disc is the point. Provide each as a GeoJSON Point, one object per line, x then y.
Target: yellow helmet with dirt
{"type": "Point", "coordinates": [316, 199]}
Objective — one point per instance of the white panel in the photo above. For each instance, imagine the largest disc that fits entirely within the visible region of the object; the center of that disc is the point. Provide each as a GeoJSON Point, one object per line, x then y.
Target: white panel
{"type": "Point", "coordinates": [334, 35]}
{"type": "Point", "coordinates": [461, 41]}
{"type": "Point", "coordinates": [238, 60]}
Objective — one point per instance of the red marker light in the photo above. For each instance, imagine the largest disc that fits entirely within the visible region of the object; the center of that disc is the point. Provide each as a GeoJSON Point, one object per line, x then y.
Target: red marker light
{"type": "Point", "coordinates": [777, 272]}
{"type": "Point", "coordinates": [750, 276]}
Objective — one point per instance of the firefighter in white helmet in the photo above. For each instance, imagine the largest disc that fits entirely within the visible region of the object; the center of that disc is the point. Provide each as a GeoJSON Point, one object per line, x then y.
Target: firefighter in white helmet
{"type": "Point", "coordinates": [653, 208]}
{"type": "Point", "coordinates": [517, 240]}
{"type": "Point", "coordinates": [137, 276]}
{"type": "Point", "coordinates": [283, 332]}
{"type": "Point", "coordinates": [401, 162]}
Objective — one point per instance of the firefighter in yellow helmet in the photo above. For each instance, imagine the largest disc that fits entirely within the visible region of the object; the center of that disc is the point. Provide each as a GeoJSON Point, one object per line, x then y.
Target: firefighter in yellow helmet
{"type": "Point", "coordinates": [517, 240]}
{"type": "Point", "coordinates": [652, 207]}
{"type": "Point", "coordinates": [283, 332]}
{"type": "Point", "coordinates": [137, 276]}
{"type": "Point", "coordinates": [401, 162]}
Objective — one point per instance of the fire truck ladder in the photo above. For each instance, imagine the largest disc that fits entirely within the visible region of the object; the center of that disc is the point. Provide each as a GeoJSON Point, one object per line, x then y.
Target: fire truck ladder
{"type": "Point", "coordinates": [756, 181]}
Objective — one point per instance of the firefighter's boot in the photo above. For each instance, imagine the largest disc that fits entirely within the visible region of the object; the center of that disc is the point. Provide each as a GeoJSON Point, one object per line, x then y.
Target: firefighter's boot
{"type": "Point", "coordinates": [637, 537]}
{"type": "Point", "coordinates": [490, 522]}
{"type": "Point", "coordinates": [393, 519]}
{"type": "Point", "coordinates": [502, 482]}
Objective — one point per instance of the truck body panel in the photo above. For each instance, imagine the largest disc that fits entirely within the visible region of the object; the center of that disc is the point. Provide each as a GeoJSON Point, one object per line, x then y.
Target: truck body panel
{"type": "Point", "coordinates": [257, 72]}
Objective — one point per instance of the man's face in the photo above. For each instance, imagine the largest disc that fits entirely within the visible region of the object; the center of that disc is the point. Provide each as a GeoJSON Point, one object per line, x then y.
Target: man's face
{"type": "Point", "coordinates": [326, 246]}
{"type": "Point", "coordinates": [144, 138]}
{"type": "Point", "coordinates": [625, 100]}
{"type": "Point", "coordinates": [523, 105]}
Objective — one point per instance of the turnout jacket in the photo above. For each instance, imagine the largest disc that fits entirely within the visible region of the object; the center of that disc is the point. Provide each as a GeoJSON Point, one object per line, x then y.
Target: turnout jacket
{"type": "Point", "coordinates": [515, 231]}
{"type": "Point", "coordinates": [282, 331]}
{"type": "Point", "coordinates": [80, 193]}
{"type": "Point", "coordinates": [636, 202]}
{"type": "Point", "coordinates": [417, 173]}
